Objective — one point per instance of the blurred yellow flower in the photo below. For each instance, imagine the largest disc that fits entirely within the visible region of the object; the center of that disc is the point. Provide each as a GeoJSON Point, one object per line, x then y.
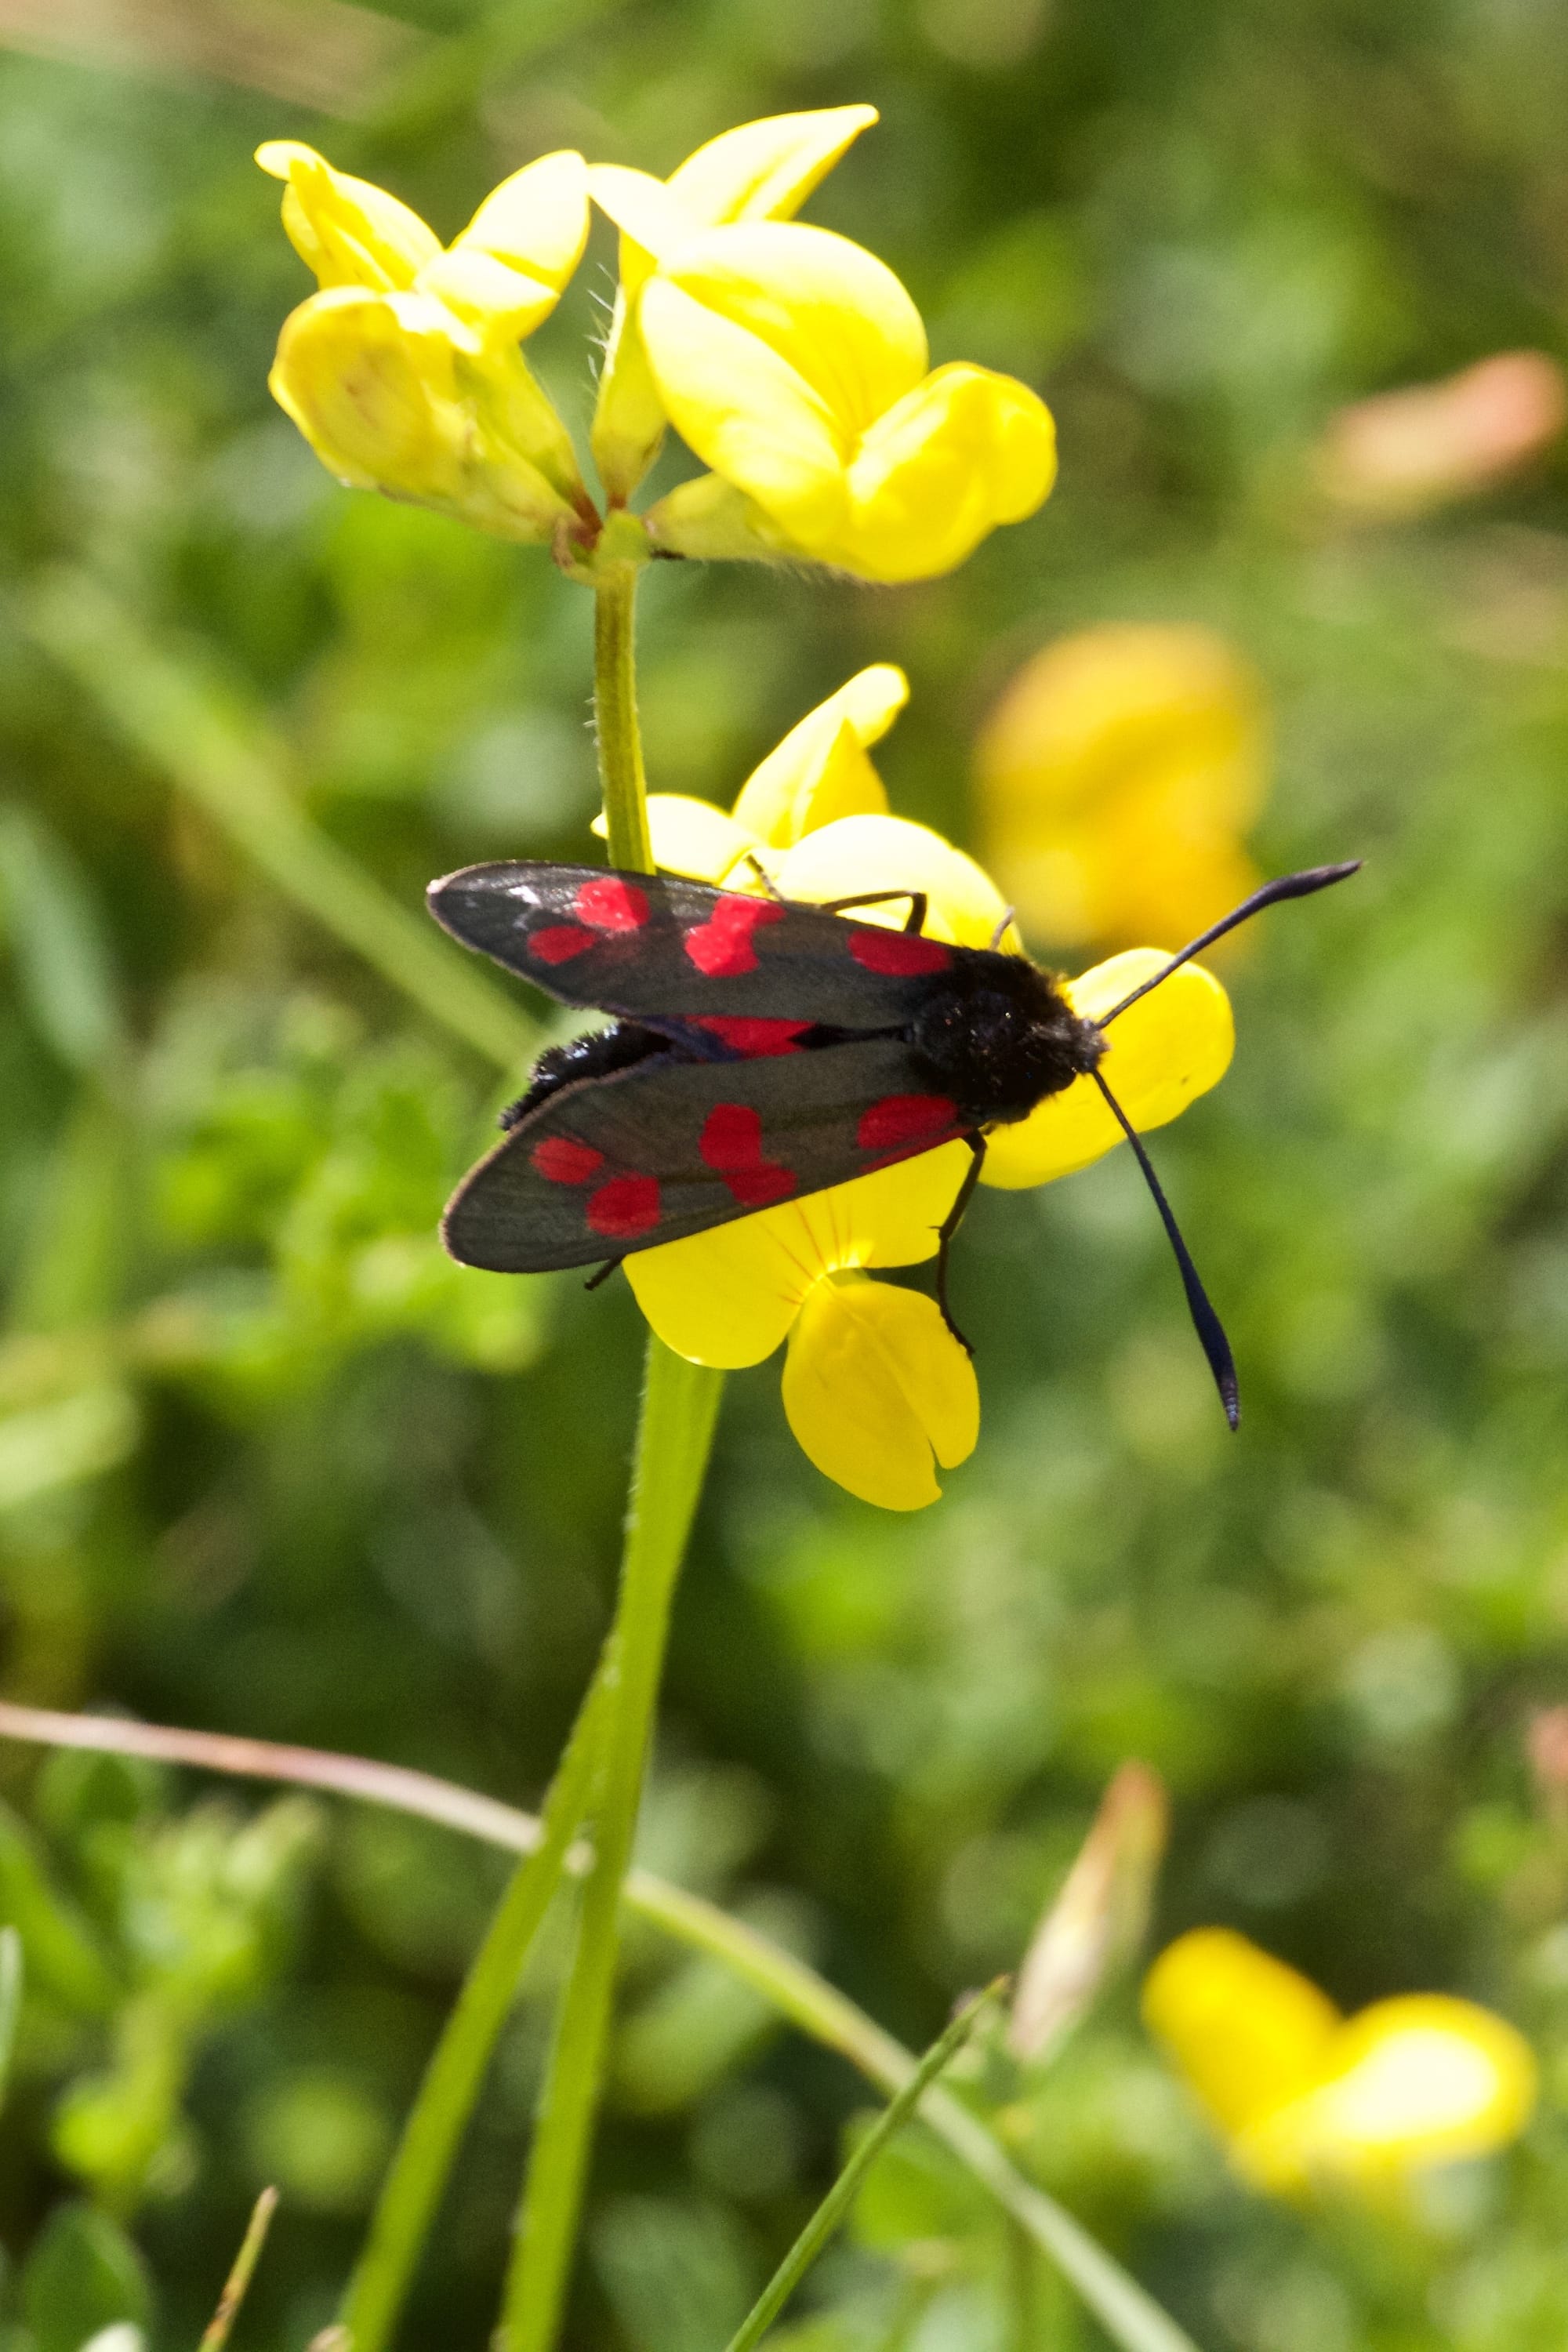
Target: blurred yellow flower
{"type": "Point", "coordinates": [761, 171]}
{"type": "Point", "coordinates": [1116, 775]}
{"type": "Point", "coordinates": [875, 1386]}
{"type": "Point", "coordinates": [795, 365]}
{"type": "Point", "coordinates": [403, 371]}
{"type": "Point", "coordinates": [1304, 2096]}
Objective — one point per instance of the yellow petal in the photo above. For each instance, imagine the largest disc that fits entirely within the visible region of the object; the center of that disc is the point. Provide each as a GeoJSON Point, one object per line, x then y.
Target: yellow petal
{"type": "Point", "coordinates": [832, 311]}
{"type": "Point", "coordinates": [1248, 2033]}
{"type": "Point", "coordinates": [763, 170]}
{"type": "Point", "coordinates": [1169, 1048]}
{"type": "Point", "coordinates": [874, 1386]}
{"type": "Point", "coordinates": [535, 222]}
{"type": "Point", "coordinates": [487, 294]}
{"type": "Point", "coordinates": [393, 395]}
{"type": "Point", "coordinates": [372, 392]}
{"type": "Point", "coordinates": [820, 772]}
{"type": "Point", "coordinates": [1422, 2079]}
{"type": "Point", "coordinates": [348, 231]}
{"type": "Point", "coordinates": [692, 836]}
{"type": "Point", "coordinates": [727, 1298]}
{"type": "Point", "coordinates": [766, 169]}
{"type": "Point", "coordinates": [964, 451]}
{"type": "Point", "coordinates": [642, 208]}
{"type": "Point", "coordinates": [889, 852]}
{"type": "Point", "coordinates": [746, 412]}
{"type": "Point", "coordinates": [709, 519]}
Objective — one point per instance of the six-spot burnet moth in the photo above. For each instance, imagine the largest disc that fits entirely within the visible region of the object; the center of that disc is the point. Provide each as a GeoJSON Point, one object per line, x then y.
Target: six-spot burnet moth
{"type": "Point", "coordinates": [761, 1049]}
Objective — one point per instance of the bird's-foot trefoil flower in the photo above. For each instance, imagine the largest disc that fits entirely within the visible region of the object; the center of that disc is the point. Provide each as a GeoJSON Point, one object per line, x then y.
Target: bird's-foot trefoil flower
{"type": "Point", "coordinates": [876, 1389]}
{"type": "Point", "coordinates": [795, 365]}
{"type": "Point", "coordinates": [761, 171]}
{"type": "Point", "coordinates": [871, 1415]}
{"type": "Point", "coordinates": [1305, 2097]}
{"type": "Point", "coordinates": [1118, 774]}
{"type": "Point", "coordinates": [402, 371]}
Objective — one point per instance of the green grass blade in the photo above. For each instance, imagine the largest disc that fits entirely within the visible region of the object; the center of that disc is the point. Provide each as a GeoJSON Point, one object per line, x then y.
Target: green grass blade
{"type": "Point", "coordinates": [239, 2277]}
{"type": "Point", "coordinates": [836, 2205]}
{"type": "Point", "coordinates": [10, 2000]}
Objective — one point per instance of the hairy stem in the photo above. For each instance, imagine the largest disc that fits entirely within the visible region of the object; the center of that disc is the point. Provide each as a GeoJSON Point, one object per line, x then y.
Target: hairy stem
{"type": "Point", "coordinates": [621, 777]}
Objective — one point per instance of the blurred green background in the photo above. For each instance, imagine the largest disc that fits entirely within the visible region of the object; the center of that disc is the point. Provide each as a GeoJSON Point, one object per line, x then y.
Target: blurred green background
{"type": "Point", "coordinates": [267, 1464]}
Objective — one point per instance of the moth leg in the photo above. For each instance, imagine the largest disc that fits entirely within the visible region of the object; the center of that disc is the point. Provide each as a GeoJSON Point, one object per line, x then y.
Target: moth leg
{"type": "Point", "coordinates": [949, 1226]}
{"type": "Point", "coordinates": [771, 889]}
{"type": "Point", "coordinates": [602, 1274]}
{"type": "Point", "coordinates": [917, 899]}
{"type": "Point", "coordinates": [1000, 933]}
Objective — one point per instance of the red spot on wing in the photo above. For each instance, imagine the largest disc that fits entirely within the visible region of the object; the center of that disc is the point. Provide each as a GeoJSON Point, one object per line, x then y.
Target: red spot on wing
{"type": "Point", "coordinates": [612, 905]}
{"type": "Point", "coordinates": [731, 1137]}
{"type": "Point", "coordinates": [754, 1037]}
{"type": "Point", "coordinates": [559, 942]}
{"type": "Point", "coordinates": [731, 1145]}
{"type": "Point", "coordinates": [625, 1207]}
{"type": "Point", "coordinates": [905, 1123]}
{"type": "Point", "coordinates": [760, 1188]}
{"type": "Point", "coordinates": [721, 947]}
{"type": "Point", "coordinates": [898, 955]}
{"type": "Point", "coordinates": [562, 1161]}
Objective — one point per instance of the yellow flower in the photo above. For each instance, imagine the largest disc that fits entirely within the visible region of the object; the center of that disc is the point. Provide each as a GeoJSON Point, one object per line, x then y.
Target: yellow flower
{"type": "Point", "coordinates": [761, 171]}
{"type": "Point", "coordinates": [402, 371]}
{"type": "Point", "coordinates": [1303, 2096]}
{"type": "Point", "coordinates": [874, 1384]}
{"type": "Point", "coordinates": [1116, 775]}
{"type": "Point", "coordinates": [795, 365]}
{"type": "Point", "coordinates": [819, 772]}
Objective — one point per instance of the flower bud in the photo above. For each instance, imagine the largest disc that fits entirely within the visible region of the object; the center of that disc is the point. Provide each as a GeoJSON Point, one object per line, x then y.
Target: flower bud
{"type": "Point", "coordinates": [1097, 1917]}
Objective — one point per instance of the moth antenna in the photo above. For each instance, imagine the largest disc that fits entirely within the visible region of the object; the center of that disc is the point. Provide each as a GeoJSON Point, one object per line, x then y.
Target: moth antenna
{"type": "Point", "coordinates": [1206, 1322]}
{"type": "Point", "coordinates": [1287, 886]}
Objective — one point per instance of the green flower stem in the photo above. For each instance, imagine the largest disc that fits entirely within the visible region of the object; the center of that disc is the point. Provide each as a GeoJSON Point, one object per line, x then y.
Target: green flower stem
{"type": "Point", "coordinates": [413, 2187]}
{"type": "Point", "coordinates": [789, 1986]}
{"type": "Point", "coordinates": [222, 755]}
{"type": "Point", "coordinates": [834, 2207]}
{"type": "Point", "coordinates": [616, 716]}
{"type": "Point", "coordinates": [680, 1402]}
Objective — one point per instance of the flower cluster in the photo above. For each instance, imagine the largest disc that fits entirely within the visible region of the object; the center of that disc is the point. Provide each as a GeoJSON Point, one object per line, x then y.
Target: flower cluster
{"type": "Point", "coordinates": [791, 362]}
{"type": "Point", "coordinates": [1304, 2097]}
{"type": "Point", "coordinates": [795, 365]}
{"type": "Point", "coordinates": [876, 1389]}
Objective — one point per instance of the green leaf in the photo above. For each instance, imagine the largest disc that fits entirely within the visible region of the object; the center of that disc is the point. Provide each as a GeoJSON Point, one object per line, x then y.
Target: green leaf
{"type": "Point", "coordinates": [82, 2276]}
{"type": "Point", "coordinates": [62, 963]}
{"type": "Point", "coordinates": [63, 1957]}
